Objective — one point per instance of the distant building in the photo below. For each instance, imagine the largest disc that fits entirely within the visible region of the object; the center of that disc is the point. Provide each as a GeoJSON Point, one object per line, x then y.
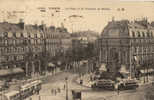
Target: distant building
{"type": "Point", "coordinates": [81, 41]}
{"type": "Point", "coordinates": [84, 37]}
{"type": "Point", "coordinates": [66, 42]}
{"type": "Point", "coordinates": [129, 44]}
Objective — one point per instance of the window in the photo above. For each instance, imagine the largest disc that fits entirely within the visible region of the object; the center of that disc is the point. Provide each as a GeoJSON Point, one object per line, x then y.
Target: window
{"type": "Point", "coordinates": [14, 34]}
{"type": "Point", "coordinates": [143, 34]}
{"type": "Point", "coordinates": [133, 33]}
{"type": "Point", "coordinates": [138, 34]}
{"type": "Point", "coordinates": [35, 35]}
{"type": "Point", "coordinates": [135, 49]}
{"type": "Point", "coordinates": [6, 42]}
{"type": "Point", "coordinates": [29, 35]}
{"type": "Point", "coordinates": [148, 34]}
{"type": "Point", "coordinates": [151, 34]}
{"type": "Point", "coordinates": [14, 42]}
{"type": "Point", "coordinates": [21, 34]}
{"type": "Point", "coordinates": [5, 34]}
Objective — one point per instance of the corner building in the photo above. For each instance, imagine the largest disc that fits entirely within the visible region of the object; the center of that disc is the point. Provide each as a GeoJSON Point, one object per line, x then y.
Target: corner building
{"type": "Point", "coordinates": [127, 44]}
{"type": "Point", "coordinates": [23, 48]}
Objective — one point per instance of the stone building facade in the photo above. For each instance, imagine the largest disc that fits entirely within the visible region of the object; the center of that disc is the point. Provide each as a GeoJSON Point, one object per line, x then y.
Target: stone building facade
{"type": "Point", "coordinates": [27, 48]}
{"type": "Point", "coordinates": [129, 44]}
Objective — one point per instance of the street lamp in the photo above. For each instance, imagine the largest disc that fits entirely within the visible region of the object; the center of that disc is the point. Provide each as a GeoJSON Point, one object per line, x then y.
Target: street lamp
{"type": "Point", "coordinates": [66, 79]}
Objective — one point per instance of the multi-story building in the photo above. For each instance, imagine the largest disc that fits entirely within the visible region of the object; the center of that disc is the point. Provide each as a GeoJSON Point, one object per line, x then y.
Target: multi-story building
{"type": "Point", "coordinates": [21, 47]}
{"type": "Point", "coordinates": [127, 44]}
{"type": "Point", "coordinates": [66, 40]}
{"type": "Point", "coordinates": [25, 48]}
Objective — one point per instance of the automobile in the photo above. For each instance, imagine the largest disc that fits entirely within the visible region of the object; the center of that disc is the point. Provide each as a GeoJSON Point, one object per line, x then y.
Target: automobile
{"type": "Point", "coordinates": [104, 84]}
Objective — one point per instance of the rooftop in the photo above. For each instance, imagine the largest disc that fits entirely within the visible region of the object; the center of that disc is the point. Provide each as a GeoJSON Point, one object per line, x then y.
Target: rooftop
{"type": "Point", "coordinates": [121, 28]}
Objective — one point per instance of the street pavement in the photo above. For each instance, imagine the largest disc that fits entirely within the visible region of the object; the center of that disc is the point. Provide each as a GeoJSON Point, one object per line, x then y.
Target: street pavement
{"type": "Point", "coordinates": [58, 81]}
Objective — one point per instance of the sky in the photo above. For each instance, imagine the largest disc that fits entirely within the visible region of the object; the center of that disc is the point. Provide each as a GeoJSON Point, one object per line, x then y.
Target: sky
{"type": "Point", "coordinates": [95, 13]}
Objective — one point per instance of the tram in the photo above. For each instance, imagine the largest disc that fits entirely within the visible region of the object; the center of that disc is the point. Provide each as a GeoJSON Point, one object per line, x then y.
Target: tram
{"type": "Point", "coordinates": [104, 84]}
{"type": "Point", "coordinates": [24, 92]}
{"type": "Point", "coordinates": [111, 85]}
{"type": "Point", "coordinates": [128, 84]}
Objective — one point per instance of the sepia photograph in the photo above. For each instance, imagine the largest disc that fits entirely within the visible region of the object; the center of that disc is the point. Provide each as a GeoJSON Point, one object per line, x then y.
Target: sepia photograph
{"type": "Point", "coordinates": [76, 50]}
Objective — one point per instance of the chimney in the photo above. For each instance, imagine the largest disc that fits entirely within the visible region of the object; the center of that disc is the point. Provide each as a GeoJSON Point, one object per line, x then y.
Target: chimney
{"type": "Point", "coordinates": [21, 24]}
{"type": "Point", "coordinates": [42, 26]}
{"type": "Point", "coordinates": [36, 25]}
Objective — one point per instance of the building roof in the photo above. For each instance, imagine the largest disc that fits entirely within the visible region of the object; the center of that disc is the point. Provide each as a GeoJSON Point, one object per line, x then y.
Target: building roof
{"type": "Point", "coordinates": [9, 27]}
{"type": "Point", "coordinates": [12, 29]}
{"type": "Point", "coordinates": [121, 28]}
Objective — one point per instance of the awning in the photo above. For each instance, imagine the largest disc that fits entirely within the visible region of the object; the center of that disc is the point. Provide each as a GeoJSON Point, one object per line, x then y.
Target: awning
{"type": "Point", "coordinates": [5, 72]}
{"type": "Point", "coordinates": [17, 70]}
{"type": "Point", "coordinates": [149, 70]}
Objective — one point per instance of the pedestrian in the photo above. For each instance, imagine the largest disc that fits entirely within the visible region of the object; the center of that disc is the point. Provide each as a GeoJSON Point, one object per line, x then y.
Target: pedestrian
{"type": "Point", "coordinates": [64, 86]}
{"type": "Point", "coordinates": [118, 89]}
{"type": "Point", "coordinates": [52, 91]}
{"type": "Point", "coordinates": [81, 81]}
{"type": "Point", "coordinates": [55, 92]}
{"type": "Point", "coordinates": [30, 98]}
{"type": "Point", "coordinates": [59, 90]}
{"type": "Point", "coordinates": [38, 92]}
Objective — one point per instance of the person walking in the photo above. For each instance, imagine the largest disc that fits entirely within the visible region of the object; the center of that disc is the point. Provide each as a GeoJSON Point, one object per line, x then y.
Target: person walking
{"type": "Point", "coordinates": [64, 86]}
{"type": "Point", "coordinates": [55, 92]}
{"type": "Point", "coordinates": [30, 98]}
{"type": "Point", "coordinates": [59, 90]}
{"type": "Point", "coordinates": [52, 91]}
{"type": "Point", "coordinates": [117, 88]}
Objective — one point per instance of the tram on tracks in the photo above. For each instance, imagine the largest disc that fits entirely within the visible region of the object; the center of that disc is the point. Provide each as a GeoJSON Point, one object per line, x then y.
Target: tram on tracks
{"type": "Point", "coordinates": [112, 85]}
{"type": "Point", "coordinates": [24, 91]}
{"type": "Point", "coordinates": [128, 84]}
{"type": "Point", "coordinates": [103, 84]}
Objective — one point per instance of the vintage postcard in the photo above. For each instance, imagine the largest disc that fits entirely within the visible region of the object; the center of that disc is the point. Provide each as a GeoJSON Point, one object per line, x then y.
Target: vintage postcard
{"type": "Point", "coordinates": [76, 50]}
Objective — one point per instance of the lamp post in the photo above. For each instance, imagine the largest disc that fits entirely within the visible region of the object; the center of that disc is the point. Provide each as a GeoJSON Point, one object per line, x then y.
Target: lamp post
{"type": "Point", "coordinates": [66, 79]}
